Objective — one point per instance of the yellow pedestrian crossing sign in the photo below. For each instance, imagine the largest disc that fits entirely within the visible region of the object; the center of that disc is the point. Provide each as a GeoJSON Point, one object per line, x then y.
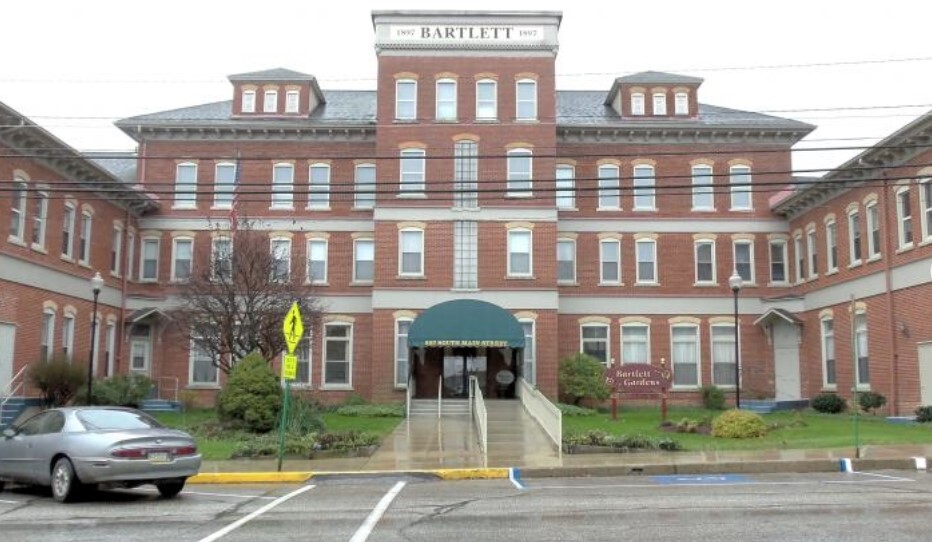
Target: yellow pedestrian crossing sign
{"type": "Point", "coordinates": [293, 328]}
{"type": "Point", "coordinates": [290, 367]}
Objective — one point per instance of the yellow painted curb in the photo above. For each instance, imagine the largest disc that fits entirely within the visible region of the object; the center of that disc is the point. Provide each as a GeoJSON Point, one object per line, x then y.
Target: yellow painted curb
{"type": "Point", "coordinates": [249, 477]}
{"type": "Point", "coordinates": [471, 474]}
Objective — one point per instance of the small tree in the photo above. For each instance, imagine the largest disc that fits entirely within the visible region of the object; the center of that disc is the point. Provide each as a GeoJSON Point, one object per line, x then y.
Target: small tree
{"type": "Point", "coordinates": [58, 378]}
{"type": "Point", "coordinates": [235, 305]}
{"type": "Point", "coordinates": [582, 376]}
{"type": "Point", "coordinates": [252, 397]}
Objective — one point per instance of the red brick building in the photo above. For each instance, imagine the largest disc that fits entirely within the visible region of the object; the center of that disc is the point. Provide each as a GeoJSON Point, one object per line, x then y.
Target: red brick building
{"type": "Point", "coordinates": [605, 221]}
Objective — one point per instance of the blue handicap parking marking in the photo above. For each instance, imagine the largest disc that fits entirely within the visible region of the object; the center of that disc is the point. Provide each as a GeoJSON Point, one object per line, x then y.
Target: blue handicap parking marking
{"type": "Point", "coordinates": [700, 479]}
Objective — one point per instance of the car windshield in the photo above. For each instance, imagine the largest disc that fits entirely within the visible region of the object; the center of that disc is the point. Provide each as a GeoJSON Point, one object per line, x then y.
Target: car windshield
{"type": "Point", "coordinates": [116, 419]}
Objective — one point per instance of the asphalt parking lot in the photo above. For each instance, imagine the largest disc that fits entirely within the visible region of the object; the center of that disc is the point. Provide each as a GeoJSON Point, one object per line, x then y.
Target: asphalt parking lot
{"type": "Point", "coordinates": [890, 505]}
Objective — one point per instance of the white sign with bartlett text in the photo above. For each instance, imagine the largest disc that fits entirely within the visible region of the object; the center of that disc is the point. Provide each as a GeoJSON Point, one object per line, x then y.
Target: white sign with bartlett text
{"type": "Point", "coordinates": [466, 33]}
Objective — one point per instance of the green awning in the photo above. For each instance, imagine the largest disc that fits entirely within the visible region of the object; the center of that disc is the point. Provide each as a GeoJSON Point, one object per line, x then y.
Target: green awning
{"type": "Point", "coordinates": [466, 322]}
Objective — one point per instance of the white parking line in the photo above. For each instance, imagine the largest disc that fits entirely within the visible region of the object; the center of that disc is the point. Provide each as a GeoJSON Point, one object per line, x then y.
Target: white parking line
{"type": "Point", "coordinates": [242, 521]}
{"type": "Point", "coordinates": [208, 494]}
{"type": "Point", "coordinates": [10, 502]}
{"type": "Point", "coordinates": [362, 534]}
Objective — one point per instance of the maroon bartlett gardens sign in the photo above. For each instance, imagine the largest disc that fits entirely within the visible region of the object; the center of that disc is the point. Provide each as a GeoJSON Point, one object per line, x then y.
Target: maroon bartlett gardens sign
{"type": "Point", "coordinates": [637, 378]}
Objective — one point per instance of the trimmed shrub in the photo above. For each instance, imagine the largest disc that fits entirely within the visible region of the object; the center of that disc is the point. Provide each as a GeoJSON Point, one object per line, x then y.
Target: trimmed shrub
{"type": "Point", "coordinates": [58, 378]}
{"type": "Point", "coordinates": [592, 437]}
{"type": "Point", "coordinates": [738, 424]}
{"type": "Point", "coordinates": [121, 390]}
{"type": "Point", "coordinates": [829, 403]}
{"type": "Point", "coordinates": [573, 410]}
{"type": "Point", "coordinates": [372, 411]}
{"type": "Point", "coordinates": [713, 398]}
{"type": "Point", "coordinates": [924, 414]}
{"type": "Point", "coordinates": [252, 398]}
{"type": "Point", "coordinates": [870, 401]}
{"type": "Point", "coordinates": [583, 377]}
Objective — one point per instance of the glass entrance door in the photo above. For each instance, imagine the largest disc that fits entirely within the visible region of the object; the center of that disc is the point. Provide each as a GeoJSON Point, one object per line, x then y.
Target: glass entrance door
{"type": "Point", "coordinates": [458, 365]}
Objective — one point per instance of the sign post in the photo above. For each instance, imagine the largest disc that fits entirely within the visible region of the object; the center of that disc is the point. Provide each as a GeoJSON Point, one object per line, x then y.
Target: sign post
{"type": "Point", "coordinates": [293, 328]}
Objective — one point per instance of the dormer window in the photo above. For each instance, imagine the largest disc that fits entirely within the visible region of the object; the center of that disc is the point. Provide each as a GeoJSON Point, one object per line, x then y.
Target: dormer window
{"type": "Point", "coordinates": [270, 103]}
{"type": "Point", "coordinates": [249, 101]}
{"type": "Point", "coordinates": [291, 101]}
{"type": "Point", "coordinates": [637, 103]}
{"type": "Point", "coordinates": [660, 103]}
{"type": "Point", "coordinates": [681, 103]}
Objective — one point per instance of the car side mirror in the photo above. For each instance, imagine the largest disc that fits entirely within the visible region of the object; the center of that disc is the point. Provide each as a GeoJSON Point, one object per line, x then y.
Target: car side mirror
{"type": "Point", "coordinates": [9, 433]}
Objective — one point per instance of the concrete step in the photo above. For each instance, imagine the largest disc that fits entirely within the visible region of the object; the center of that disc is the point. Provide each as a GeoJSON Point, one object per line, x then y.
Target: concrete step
{"type": "Point", "coordinates": [160, 405]}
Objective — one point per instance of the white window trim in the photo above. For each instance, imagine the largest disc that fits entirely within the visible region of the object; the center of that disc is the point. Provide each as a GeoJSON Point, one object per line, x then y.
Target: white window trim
{"type": "Point", "coordinates": [561, 192]}
{"type": "Point", "coordinates": [494, 84]}
{"type": "Point", "coordinates": [130, 255]}
{"type": "Point", "coordinates": [752, 280]}
{"type": "Point", "coordinates": [296, 101]}
{"type": "Point", "coordinates": [613, 191]}
{"type": "Point", "coordinates": [409, 189]}
{"type": "Point", "coordinates": [68, 224]}
{"type": "Point", "coordinates": [270, 105]}
{"type": "Point", "coordinates": [397, 334]}
{"type": "Point", "coordinates": [369, 197]}
{"type": "Point", "coordinates": [512, 190]}
{"type": "Point", "coordinates": [175, 242]}
{"type": "Point", "coordinates": [282, 189]}
{"type": "Point", "coordinates": [721, 325]}
{"type": "Point", "coordinates": [651, 188]}
{"type": "Point", "coordinates": [602, 262]}
{"type": "Point", "coordinates": [322, 191]}
{"type": "Point", "coordinates": [873, 252]}
{"type": "Point", "coordinates": [182, 190]}
{"type": "Point", "coordinates": [621, 355]}
{"type": "Point", "coordinates": [272, 243]}
{"type": "Point", "coordinates": [41, 218]}
{"type": "Point", "coordinates": [822, 336]}
{"type": "Point", "coordinates": [831, 265]}
{"type": "Point", "coordinates": [218, 192]}
{"type": "Point", "coordinates": [251, 103]}
{"type": "Point", "coordinates": [50, 333]}
{"type": "Point", "coordinates": [199, 385]}
{"type": "Point", "coordinates": [608, 339]}
{"type": "Point", "coordinates": [518, 84]}
{"type": "Point", "coordinates": [530, 271]}
{"type": "Point", "coordinates": [213, 256]}
{"type": "Point", "coordinates": [398, 83]}
{"type": "Point", "coordinates": [903, 195]}
{"type": "Point", "coordinates": [349, 354]}
{"type": "Point", "coordinates": [637, 261]}
{"type": "Point", "coordinates": [321, 280]}
{"type": "Point", "coordinates": [698, 342]}
{"type": "Point", "coordinates": [798, 259]}
{"type": "Point", "coordinates": [533, 380]}
{"type": "Point", "coordinates": [437, 104]}
{"type": "Point", "coordinates": [401, 235]}
{"type": "Point", "coordinates": [812, 253]}
{"type": "Point", "coordinates": [860, 383]}
{"type": "Point", "coordinates": [736, 190]}
{"type": "Point", "coordinates": [356, 243]}
{"type": "Point", "coordinates": [924, 208]}
{"type": "Point", "coordinates": [714, 279]}
{"type": "Point", "coordinates": [786, 255]}
{"type": "Point", "coordinates": [681, 103]}
{"type": "Point", "coordinates": [703, 189]}
{"type": "Point", "coordinates": [658, 106]}
{"type": "Point", "coordinates": [638, 104]}
{"type": "Point", "coordinates": [142, 258]}
{"type": "Point", "coordinates": [67, 335]}
{"type": "Point", "coordinates": [20, 237]}
{"type": "Point", "coordinates": [854, 217]}
{"type": "Point", "coordinates": [85, 257]}
{"type": "Point", "coordinates": [116, 251]}
{"type": "Point", "coordinates": [110, 345]}
{"type": "Point", "coordinates": [573, 242]}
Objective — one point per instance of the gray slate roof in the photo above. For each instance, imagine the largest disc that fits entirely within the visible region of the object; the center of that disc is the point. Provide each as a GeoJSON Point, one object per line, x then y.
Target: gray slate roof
{"type": "Point", "coordinates": [275, 74]}
{"type": "Point", "coordinates": [651, 77]}
{"type": "Point", "coordinates": [121, 165]}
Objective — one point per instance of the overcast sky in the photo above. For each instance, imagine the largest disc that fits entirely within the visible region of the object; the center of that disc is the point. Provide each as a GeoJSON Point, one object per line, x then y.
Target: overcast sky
{"type": "Point", "coordinates": [857, 69]}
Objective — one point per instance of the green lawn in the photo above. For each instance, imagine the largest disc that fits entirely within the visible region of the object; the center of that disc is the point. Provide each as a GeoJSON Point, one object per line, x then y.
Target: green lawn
{"type": "Point", "coordinates": [796, 430]}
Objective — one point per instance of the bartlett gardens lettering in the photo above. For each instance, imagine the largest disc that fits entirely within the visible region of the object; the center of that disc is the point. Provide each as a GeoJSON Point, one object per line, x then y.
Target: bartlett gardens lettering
{"type": "Point", "coordinates": [637, 378]}
{"type": "Point", "coordinates": [467, 33]}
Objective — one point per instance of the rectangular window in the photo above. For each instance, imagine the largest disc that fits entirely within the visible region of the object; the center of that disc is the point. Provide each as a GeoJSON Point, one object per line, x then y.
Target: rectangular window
{"type": "Point", "coordinates": [338, 354]}
{"type": "Point", "coordinates": [566, 260]}
{"type": "Point", "coordinates": [365, 186]}
{"type": "Point", "coordinates": [39, 220]}
{"type": "Point", "coordinates": [740, 179]}
{"type": "Point", "coordinates": [519, 253]}
{"type": "Point", "coordinates": [406, 99]}
{"type": "Point", "coordinates": [130, 254]}
{"type": "Point", "coordinates": [281, 260]}
{"type": "Point", "coordinates": [18, 210]}
{"type": "Point", "coordinates": [401, 352]}
{"type": "Point", "coordinates": [519, 172]}
{"type": "Point", "coordinates": [317, 261]}
{"type": "Point", "coordinates": [644, 188]}
{"type": "Point", "coordinates": [47, 340]}
{"type": "Point", "coordinates": [637, 104]}
{"type": "Point", "coordinates": [84, 242]}
{"type": "Point", "coordinates": [660, 104]}
{"type": "Point", "coordinates": [466, 255]}
{"type": "Point", "coordinates": [526, 98]}
{"type": "Point", "coordinates": [566, 193]}
{"type": "Point", "coordinates": [925, 194]}
{"type": "Point", "coordinates": [292, 101]}
{"type": "Point", "coordinates": [149, 266]}
{"type": "Point", "coordinates": [203, 369]}
{"type": "Point", "coordinates": [412, 166]}
{"type": "Point", "coordinates": [282, 186]}
{"type": "Point", "coordinates": [446, 99]}
{"type": "Point", "coordinates": [116, 250]}
{"type": "Point", "coordinates": [67, 232]}
{"type": "Point", "coordinates": [303, 353]}
{"type": "Point", "coordinates": [364, 260]}
{"type": "Point", "coordinates": [222, 258]}
{"type": "Point", "coordinates": [249, 101]}
{"type": "Point", "coordinates": [224, 185]}
{"type": "Point", "coordinates": [529, 353]}
{"type": "Point", "coordinates": [486, 99]}
{"type": "Point", "coordinates": [186, 186]}
{"type": "Point", "coordinates": [182, 256]}
{"type": "Point", "coordinates": [609, 197]}
{"type": "Point", "coordinates": [411, 252]}
{"type": "Point", "coordinates": [635, 343]}
{"type": "Point", "coordinates": [831, 246]}
{"type": "Point", "coordinates": [647, 261]}
{"type": "Point", "coordinates": [140, 348]}
{"type": "Point", "coordinates": [860, 336]}
{"type": "Point", "coordinates": [685, 355]}
{"type": "Point", "coordinates": [854, 238]}
{"type": "Point", "coordinates": [705, 262]}
{"type": "Point", "coordinates": [744, 260]}
{"type": "Point", "coordinates": [828, 353]}
{"type": "Point", "coordinates": [67, 336]}
{"type": "Point", "coordinates": [723, 355]}
{"type": "Point", "coordinates": [594, 341]}
{"type": "Point", "coordinates": [812, 249]}
{"type": "Point", "coordinates": [703, 195]}
{"type": "Point", "coordinates": [800, 257]}
{"type": "Point", "coordinates": [873, 229]}
{"type": "Point", "coordinates": [110, 346]}
{"type": "Point", "coordinates": [905, 218]}
{"type": "Point", "coordinates": [319, 196]}
{"type": "Point", "coordinates": [778, 261]}
{"type": "Point", "coordinates": [681, 103]}
{"type": "Point", "coordinates": [465, 174]}
{"type": "Point", "coordinates": [610, 261]}
{"type": "Point", "coordinates": [270, 102]}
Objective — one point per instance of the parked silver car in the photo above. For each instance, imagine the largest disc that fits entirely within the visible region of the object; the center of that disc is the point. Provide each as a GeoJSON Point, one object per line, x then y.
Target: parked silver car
{"type": "Point", "coordinates": [70, 448]}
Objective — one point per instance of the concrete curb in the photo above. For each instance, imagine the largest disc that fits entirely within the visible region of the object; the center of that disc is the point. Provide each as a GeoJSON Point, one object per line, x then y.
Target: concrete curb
{"type": "Point", "coordinates": [250, 478]}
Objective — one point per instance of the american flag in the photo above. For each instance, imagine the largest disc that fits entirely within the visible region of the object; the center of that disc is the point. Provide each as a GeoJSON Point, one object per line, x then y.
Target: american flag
{"type": "Point", "coordinates": [234, 217]}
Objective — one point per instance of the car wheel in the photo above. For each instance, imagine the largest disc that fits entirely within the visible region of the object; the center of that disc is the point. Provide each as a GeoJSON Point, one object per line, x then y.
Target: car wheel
{"type": "Point", "coordinates": [65, 484]}
{"type": "Point", "coordinates": [170, 488]}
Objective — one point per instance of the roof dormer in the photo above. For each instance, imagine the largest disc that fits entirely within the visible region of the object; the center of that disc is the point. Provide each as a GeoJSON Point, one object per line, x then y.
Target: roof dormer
{"type": "Point", "coordinates": [275, 93]}
{"type": "Point", "coordinates": [655, 94]}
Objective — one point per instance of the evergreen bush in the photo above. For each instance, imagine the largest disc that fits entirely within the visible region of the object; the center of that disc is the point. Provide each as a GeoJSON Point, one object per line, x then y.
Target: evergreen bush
{"type": "Point", "coordinates": [252, 398]}
{"type": "Point", "coordinates": [870, 401]}
{"type": "Point", "coordinates": [924, 414]}
{"type": "Point", "coordinates": [738, 424]}
{"type": "Point", "coordinates": [583, 377]}
{"type": "Point", "coordinates": [59, 379]}
{"type": "Point", "coordinates": [713, 398]}
{"type": "Point", "coordinates": [829, 403]}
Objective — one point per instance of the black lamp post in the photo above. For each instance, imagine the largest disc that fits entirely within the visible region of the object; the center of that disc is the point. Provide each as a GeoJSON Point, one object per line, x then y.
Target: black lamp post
{"type": "Point", "coordinates": [97, 282]}
{"type": "Point", "coordinates": [735, 282]}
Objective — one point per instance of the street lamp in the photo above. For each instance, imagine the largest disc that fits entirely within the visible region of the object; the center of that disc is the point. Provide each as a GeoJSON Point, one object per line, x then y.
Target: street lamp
{"type": "Point", "coordinates": [97, 282]}
{"type": "Point", "coordinates": [735, 282]}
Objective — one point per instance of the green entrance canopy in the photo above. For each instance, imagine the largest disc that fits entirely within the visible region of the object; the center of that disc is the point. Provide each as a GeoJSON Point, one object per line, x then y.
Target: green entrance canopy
{"type": "Point", "coordinates": [466, 322]}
